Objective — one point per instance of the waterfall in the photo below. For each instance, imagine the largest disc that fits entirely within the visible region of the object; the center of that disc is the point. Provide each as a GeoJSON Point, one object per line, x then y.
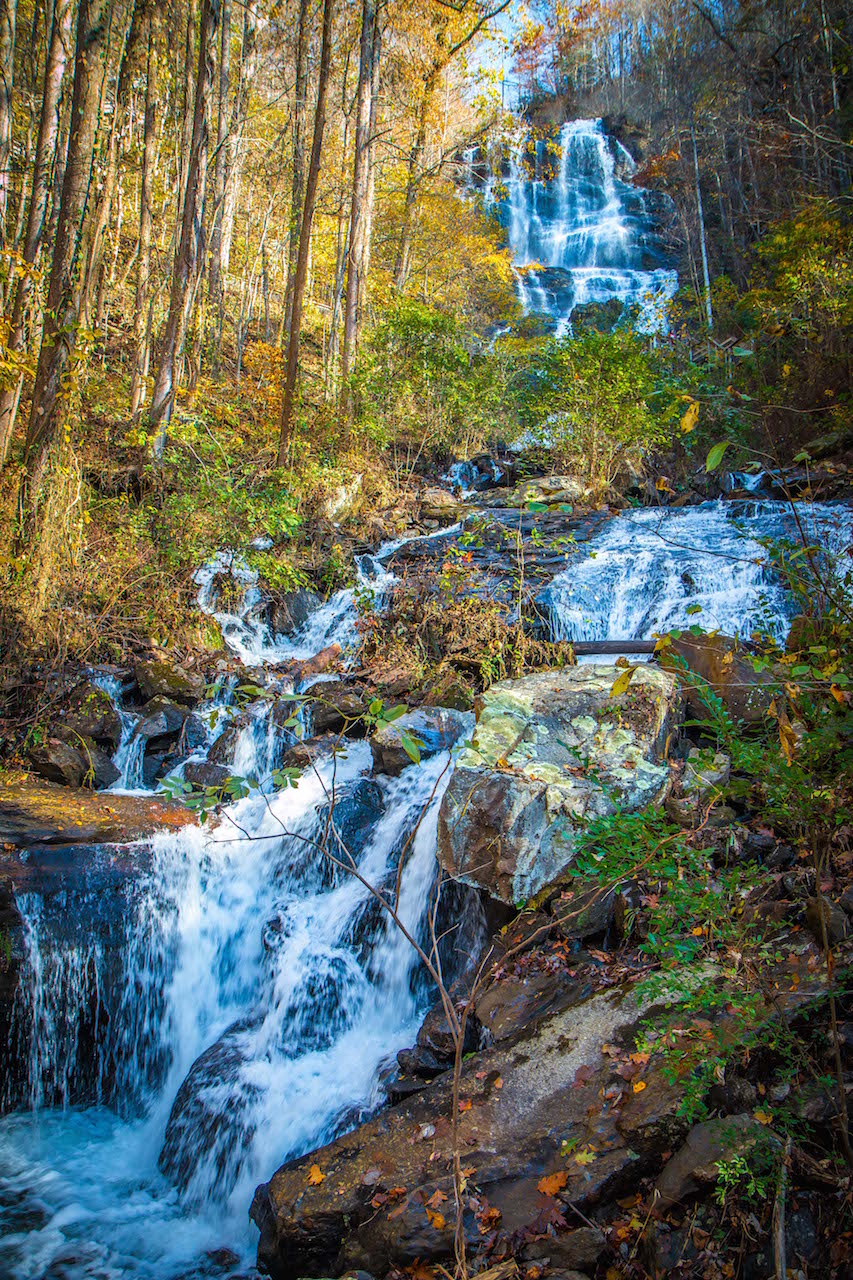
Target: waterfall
{"type": "Point", "coordinates": [217, 1000]}
{"type": "Point", "coordinates": [650, 571]}
{"type": "Point", "coordinates": [579, 233]}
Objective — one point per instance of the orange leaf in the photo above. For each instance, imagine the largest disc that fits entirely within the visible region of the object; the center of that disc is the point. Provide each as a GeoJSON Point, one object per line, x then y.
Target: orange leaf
{"type": "Point", "coordinates": [315, 1176]}
{"type": "Point", "coordinates": [499, 1084]}
{"type": "Point", "coordinates": [639, 1058]}
{"type": "Point", "coordinates": [639, 1086]}
{"type": "Point", "coordinates": [435, 1219]}
{"type": "Point", "coordinates": [551, 1185]}
{"type": "Point", "coordinates": [437, 1198]}
{"type": "Point", "coordinates": [466, 1105]}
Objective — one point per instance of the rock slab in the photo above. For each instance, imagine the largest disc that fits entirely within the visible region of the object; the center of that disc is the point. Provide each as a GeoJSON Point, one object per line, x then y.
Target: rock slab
{"type": "Point", "coordinates": [550, 752]}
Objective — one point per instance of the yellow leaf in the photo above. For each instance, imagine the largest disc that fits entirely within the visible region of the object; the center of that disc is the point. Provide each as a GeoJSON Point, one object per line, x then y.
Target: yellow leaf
{"type": "Point", "coordinates": [315, 1176]}
{"type": "Point", "coordinates": [691, 417]}
{"type": "Point", "coordinates": [663, 486]}
{"type": "Point", "coordinates": [435, 1219]}
{"type": "Point", "coordinates": [620, 684]}
{"type": "Point", "coordinates": [586, 1157]}
{"type": "Point", "coordinates": [551, 1185]}
{"type": "Point", "coordinates": [838, 694]}
{"type": "Point", "coordinates": [639, 1086]}
{"type": "Point", "coordinates": [763, 1117]}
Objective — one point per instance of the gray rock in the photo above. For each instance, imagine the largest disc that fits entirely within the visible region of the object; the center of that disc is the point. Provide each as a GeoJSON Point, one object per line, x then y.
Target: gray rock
{"type": "Point", "coordinates": [435, 729]}
{"type": "Point", "coordinates": [550, 751]}
{"type": "Point", "coordinates": [201, 773]}
{"type": "Point", "coordinates": [292, 610]}
{"type": "Point", "coordinates": [694, 1166]}
{"type": "Point", "coordinates": [571, 1250]}
{"type": "Point", "coordinates": [164, 678]}
{"type": "Point", "coordinates": [834, 917]}
{"type": "Point", "coordinates": [722, 665]}
{"type": "Point", "coordinates": [89, 712]}
{"type": "Point", "coordinates": [58, 762]}
{"type": "Point", "coordinates": [161, 718]}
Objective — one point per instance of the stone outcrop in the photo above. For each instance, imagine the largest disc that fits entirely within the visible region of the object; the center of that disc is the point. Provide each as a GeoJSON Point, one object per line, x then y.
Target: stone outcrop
{"type": "Point", "coordinates": [520, 1104]}
{"type": "Point", "coordinates": [33, 812]}
{"type": "Point", "coordinates": [722, 665]}
{"type": "Point", "coordinates": [549, 751]}
{"type": "Point", "coordinates": [431, 730]}
{"type": "Point", "coordinates": [165, 678]}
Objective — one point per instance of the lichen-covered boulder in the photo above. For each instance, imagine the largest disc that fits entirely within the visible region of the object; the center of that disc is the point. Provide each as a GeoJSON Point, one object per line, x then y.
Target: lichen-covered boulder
{"type": "Point", "coordinates": [549, 752]}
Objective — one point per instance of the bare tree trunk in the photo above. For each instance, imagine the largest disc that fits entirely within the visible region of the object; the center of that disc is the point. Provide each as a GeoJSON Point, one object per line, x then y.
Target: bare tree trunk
{"type": "Point", "coordinates": [235, 154]}
{"type": "Point", "coordinates": [214, 285]}
{"type": "Point", "coordinates": [8, 13]}
{"type": "Point", "coordinates": [141, 331]}
{"type": "Point", "coordinates": [183, 274]}
{"type": "Point", "coordinates": [65, 286]}
{"type": "Point", "coordinates": [370, 202]}
{"type": "Point", "coordinates": [303, 40]}
{"type": "Point", "coordinates": [105, 204]}
{"type": "Point", "coordinates": [404, 249]}
{"type": "Point", "coordinates": [56, 61]}
{"type": "Point", "coordinates": [305, 235]}
{"type": "Point", "coordinates": [706, 278]}
{"type": "Point", "coordinates": [361, 165]}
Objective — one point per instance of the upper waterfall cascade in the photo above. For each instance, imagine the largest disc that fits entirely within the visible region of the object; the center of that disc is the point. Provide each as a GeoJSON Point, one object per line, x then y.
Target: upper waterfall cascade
{"type": "Point", "coordinates": [580, 231]}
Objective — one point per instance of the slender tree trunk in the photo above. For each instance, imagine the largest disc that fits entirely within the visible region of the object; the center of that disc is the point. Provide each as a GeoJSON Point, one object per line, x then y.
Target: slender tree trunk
{"type": "Point", "coordinates": [104, 210]}
{"type": "Point", "coordinates": [8, 13]}
{"type": "Point", "coordinates": [47, 417]}
{"type": "Point", "coordinates": [214, 286]}
{"type": "Point", "coordinates": [404, 249]}
{"type": "Point", "coordinates": [361, 164]}
{"type": "Point", "coordinates": [184, 271]}
{"type": "Point", "coordinates": [303, 40]}
{"type": "Point", "coordinates": [305, 235]}
{"type": "Point", "coordinates": [235, 148]}
{"type": "Point", "coordinates": [141, 332]}
{"type": "Point", "coordinates": [706, 278]}
{"type": "Point", "coordinates": [370, 200]}
{"type": "Point", "coordinates": [57, 58]}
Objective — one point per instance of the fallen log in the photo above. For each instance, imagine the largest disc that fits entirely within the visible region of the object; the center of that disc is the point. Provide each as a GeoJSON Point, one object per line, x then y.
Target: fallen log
{"type": "Point", "coordinates": [588, 648]}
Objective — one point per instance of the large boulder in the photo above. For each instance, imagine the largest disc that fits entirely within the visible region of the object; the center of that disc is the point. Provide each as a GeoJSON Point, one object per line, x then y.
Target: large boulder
{"type": "Point", "coordinates": [292, 610]}
{"type": "Point", "coordinates": [551, 751]}
{"type": "Point", "coordinates": [723, 666]}
{"type": "Point", "coordinates": [434, 729]}
{"type": "Point", "coordinates": [59, 762]}
{"type": "Point", "coordinates": [88, 711]}
{"type": "Point", "coordinates": [160, 677]}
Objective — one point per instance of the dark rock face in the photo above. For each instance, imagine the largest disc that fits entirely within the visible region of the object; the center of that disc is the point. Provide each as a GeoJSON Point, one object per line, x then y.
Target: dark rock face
{"type": "Point", "coordinates": [291, 611]}
{"type": "Point", "coordinates": [89, 712]}
{"type": "Point", "coordinates": [162, 718]}
{"type": "Point", "coordinates": [511, 1134]}
{"type": "Point", "coordinates": [719, 662]}
{"type": "Point", "coordinates": [201, 773]}
{"type": "Point", "coordinates": [164, 678]}
{"type": "Point", "coordinates": [435, 730]}
{"type": "Point", "coordinates": [694, 1165]}
{"type": "Point", "coordinates": [58, 762]}
{"type": "Point", "coordinates": [334, 706]}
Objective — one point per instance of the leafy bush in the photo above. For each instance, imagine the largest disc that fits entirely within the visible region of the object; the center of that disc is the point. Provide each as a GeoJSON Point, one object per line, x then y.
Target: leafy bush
{"type": "Point", "coordinates": [599, 400]}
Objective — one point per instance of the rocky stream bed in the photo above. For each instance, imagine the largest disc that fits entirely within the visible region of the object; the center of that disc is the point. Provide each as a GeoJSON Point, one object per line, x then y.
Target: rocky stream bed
{"type": "Point", "coordinates": [199, 1018]}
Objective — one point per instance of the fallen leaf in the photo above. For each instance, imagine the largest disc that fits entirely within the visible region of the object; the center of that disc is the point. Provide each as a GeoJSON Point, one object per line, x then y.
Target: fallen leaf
{"type": "Point", "coordinates": [639, 1086]}
{"type": "Point", "coordinates": [583, 1075]}
{"type": "Point", "coordinates": [611, 1050]}
{"type": "Point", "coordinates": [437, 1198]}
{"type": "Point", "coordinates": [639, 1058]}
{"type": "Point", "coordinates": [584, 1157]}
{"type": "Point", "coordinates": [763, 1117]}
{"type": "Point", "coordinates": [435, 1219]}
{"type": "Point", "coordinates": [466, 1105]}
{"type": "Point", "coordinates": [499, 1084]}
{"type": "Point", "coordinates": [315, 1176]}
{"type": "Point", "coordinates": [553, 1183]}
{"type": "Point", "coordinates": [371, 1177]}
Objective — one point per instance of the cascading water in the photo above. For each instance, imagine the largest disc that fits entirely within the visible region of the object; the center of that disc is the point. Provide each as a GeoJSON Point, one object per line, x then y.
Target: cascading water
{"type": "Point", "coordinates": [227, 1000]}
{"type": "Point", "coordinates": [579, 233]}
{"type": "Point", "coordinates": [650, 571]}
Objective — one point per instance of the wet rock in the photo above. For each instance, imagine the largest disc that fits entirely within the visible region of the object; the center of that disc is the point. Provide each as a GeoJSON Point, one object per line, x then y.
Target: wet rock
{"type": "Point", "coordinates": [301, 755]}
{"type": "Point", "coordinates": [334, 706]}
{"type": "Point", "coordinates": [508, 820]}
{"type": "Point", "coordinates": [161, 677]}
{"type": "Point", "coordinates": [438, 504]}
{"type": "Point", "coordinates": [516, 1002]}
{"type": "Point", "coordinates": [89, 712]}
{"type": "Point", "coordinates": [586, 910]}
{"type": "Point", "coordinates": [58, 762]}
{"type": "Point", "coordinates": [834, 921]}
{"type": "Point", "coordinates": [450, 691]}
{"type": "Point", "coordinates": [511, 1136]}
{"type": "Point", "coordinates": [320, 663]}
{"type": "Point", "coordinates": [201, 773]}
{"type": "Point", "coordinates": [600, 317]}
{"type": "Point", "coordinates": [694, 1166]}
{"type": "Point", "coordinates": [161, 718]}
{"type": "Point", "coordinates": [720, 663]}
{"type": "Point", "coordinates": [570, 1250]}
{"type": "Point", "coordinates": [433, 731]}
{"type": "Point", "coordinates": [100, 770]}
{"type": "Point", "coordinates": [563, 489]}
{"type": "Point", "coordinates": [421, 1063]}
{"type": "Point", "coordinates": [435, 1036]}
{"type": "Point", "coordinates": [33, 812]}
{"type": "Point", "coordinates": [292, 610]}
{"type": "Point", "coordinates": [358, 806]}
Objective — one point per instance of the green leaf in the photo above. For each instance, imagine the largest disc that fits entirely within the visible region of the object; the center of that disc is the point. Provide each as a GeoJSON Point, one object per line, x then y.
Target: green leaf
{"type": "Point", "coordinates": [395, 713]}
{"type": "Point", "coordinates": [411, 745]}
{"type": "Point", "coordinates": [694, 608]}
{"type": "Point", "coordinates": [715, 456]}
